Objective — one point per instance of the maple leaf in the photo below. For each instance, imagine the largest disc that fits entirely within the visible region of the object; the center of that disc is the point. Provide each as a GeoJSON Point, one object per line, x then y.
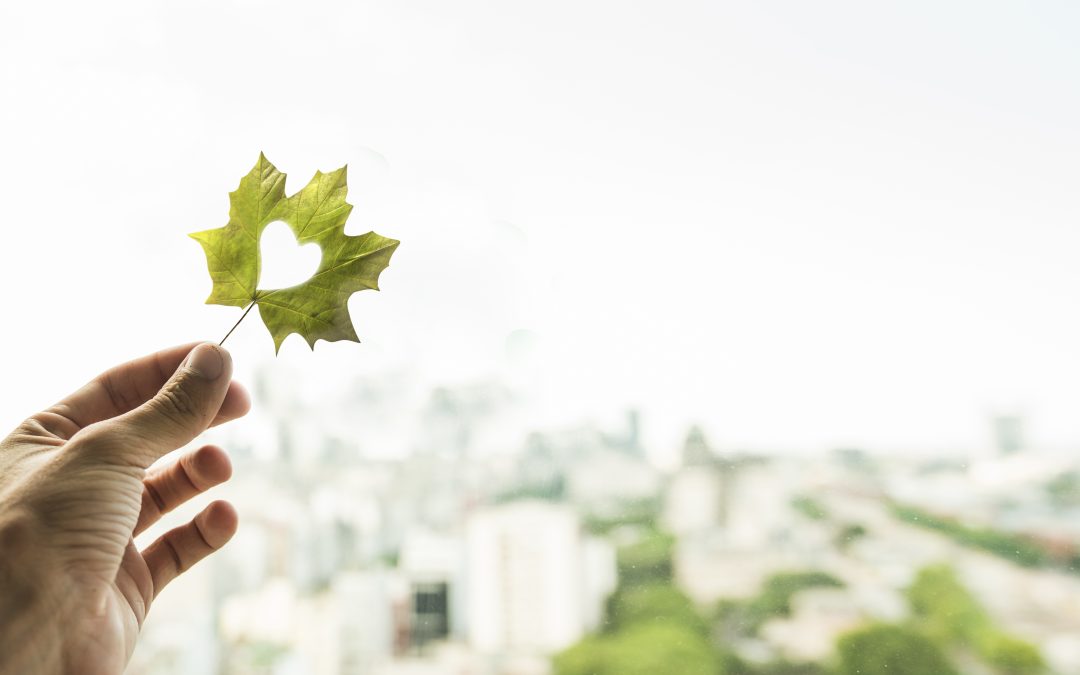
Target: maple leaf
{"type": "Point", "coordinates": [318, 308]}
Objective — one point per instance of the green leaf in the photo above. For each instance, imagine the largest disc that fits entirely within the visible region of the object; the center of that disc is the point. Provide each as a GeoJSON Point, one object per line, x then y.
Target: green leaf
{"type": "Point", "coordinates": [318, 308]}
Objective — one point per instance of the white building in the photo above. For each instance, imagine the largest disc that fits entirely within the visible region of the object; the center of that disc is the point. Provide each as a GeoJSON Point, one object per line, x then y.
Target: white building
{"type": "Point", "coordinates": [694, 502]}
{"type": "Point", "coordinates": [604, 480]}
{"type": "Point", "coordinates": [534, 584]}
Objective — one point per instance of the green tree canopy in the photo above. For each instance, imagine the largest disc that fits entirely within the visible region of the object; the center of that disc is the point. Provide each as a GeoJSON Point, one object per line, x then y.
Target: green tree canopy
{"type": "Point", "coordinates": [946, 610]}
{"type": "Point", "coordinates": [810, 507]}
{"type": "Point", "coordinates": [648, 560]}
{"type": "Point", "coordinates": [886, 649]}
{"type": "Point", "coordinates": [655, 602]}
{"type": "Point", "coordinates": [650, 648]}
{"type": "Point", "coordinates": [1010, 655]}
{"type": "Point", "coordinates": [950, 614]}
{"type": "Point", "coordinates": [1012, 547]}
{"type": "Point", "coordinates": [774, 600]}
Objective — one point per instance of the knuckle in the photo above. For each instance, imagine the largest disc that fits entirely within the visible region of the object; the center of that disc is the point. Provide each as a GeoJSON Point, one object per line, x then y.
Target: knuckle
{"type": "Point", "coordinates": [114, 443]}
{"type": "Point", "coordinates": [30, 429]}
{"type": "Point", "coordinates": [96, 439]}
{"type": "Point", "coordinates": [176, 403]}
{"type": "Point", "coordinates": [174, 552]}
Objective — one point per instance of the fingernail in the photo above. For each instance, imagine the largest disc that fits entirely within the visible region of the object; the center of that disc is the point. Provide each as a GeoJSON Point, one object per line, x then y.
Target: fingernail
{"type": "Point", "coordinates": [206, 362]}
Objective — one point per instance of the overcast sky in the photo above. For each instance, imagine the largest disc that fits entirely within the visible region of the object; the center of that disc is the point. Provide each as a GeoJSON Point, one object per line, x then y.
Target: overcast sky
{"type": "Point", "coordinates": [802, 224]}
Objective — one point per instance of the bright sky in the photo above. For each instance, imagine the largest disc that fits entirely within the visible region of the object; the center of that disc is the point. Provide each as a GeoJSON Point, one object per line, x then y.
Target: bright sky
{"type": "Point", "coordinates": [801, 224]}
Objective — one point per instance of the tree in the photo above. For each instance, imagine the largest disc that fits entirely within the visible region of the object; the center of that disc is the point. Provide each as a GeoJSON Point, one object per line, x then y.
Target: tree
{"type": "Point", "coordinates": [774, 600]}
{"type": "Point", "coordinates": [945, 609]}
{"type": "Point", "coordinates": [648, 560]}
{"type": "Point", "coordinates": [1011, 656]}
{"type": "Point", "coordinates": [950, 614]}
{"type": "Point", "coordinates": [589, 656]}
{"type": "Point", "coordinates": [655, 602]}
{"type": "Point", "coordinates": [643, 649]}
{"type": "Point", "coordinates": [810, 507]}
{"type": "Point", "coordinates": [1064, 489]}
{"type": "Point", "coordinates": [886, 649]}
{"type": "Point", "coordinates": [741, 618]}
{"type": "Point", "coordinates": [849, 534]}
{"type": "Point", "coordinates": [1016, 548]}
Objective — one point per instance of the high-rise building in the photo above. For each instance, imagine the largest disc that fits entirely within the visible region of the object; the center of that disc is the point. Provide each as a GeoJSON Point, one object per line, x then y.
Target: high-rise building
{"type": "Point", "coordinates": [1008, 433]}
{"type": "Point", "coordinates": [696, 449]}
{"type": "Point", "coordinates": [531, 579]}
{"type": "Point", "coordinates": [697, 499]}
{"type": "Point", "coordinates": [694, 503]}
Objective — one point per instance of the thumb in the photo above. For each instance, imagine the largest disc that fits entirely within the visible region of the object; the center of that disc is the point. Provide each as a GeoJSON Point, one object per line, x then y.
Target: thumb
{"type": "Point", "coordinates": [183, 408]}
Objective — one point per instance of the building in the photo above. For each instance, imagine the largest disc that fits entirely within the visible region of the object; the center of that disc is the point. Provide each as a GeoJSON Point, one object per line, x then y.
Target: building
{"type": "Point", "coordinates": [369, 624]}
{"type": "Point", "coordinates": [534, 583]}
{"type": "Point", "coordinates": [1008, 433]}
{"type": "Point", "coordinates": [431, 566]}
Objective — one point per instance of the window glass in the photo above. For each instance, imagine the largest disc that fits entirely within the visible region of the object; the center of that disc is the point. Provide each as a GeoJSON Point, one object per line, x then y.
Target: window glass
{"type": "Point", "coordinates": [724, 338]}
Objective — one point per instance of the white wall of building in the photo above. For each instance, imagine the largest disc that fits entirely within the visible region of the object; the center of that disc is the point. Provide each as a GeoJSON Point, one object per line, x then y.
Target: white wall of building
{"type": "Point", "coordinates": [524, 578]}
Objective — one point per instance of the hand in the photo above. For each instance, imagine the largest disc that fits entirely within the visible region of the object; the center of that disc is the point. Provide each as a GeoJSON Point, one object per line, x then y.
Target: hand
{"type": "Point", "coordinates": [75, 490]}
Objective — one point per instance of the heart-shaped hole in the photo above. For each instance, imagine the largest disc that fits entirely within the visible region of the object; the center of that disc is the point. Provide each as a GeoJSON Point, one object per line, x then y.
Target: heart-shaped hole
{"type": "Point", "coordinates": [284, 262]}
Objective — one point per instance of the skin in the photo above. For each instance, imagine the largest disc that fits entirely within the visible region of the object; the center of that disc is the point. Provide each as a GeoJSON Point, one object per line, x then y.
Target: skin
{"type": "Point", "coordinates": [75, 490]}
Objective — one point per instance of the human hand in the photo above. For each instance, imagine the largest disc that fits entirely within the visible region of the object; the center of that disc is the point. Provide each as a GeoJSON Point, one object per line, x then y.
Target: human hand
{"type": "Point", "coordinates": [75, 491]}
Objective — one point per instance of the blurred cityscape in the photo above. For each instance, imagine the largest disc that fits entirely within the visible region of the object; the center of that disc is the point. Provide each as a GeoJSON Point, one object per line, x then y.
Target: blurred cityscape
{"type": "Point", "coordinates": [489, 550]}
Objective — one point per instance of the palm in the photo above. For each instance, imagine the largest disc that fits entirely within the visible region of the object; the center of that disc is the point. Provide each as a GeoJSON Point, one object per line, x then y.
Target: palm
{"type": "Point", "coordinates": [107, 646]}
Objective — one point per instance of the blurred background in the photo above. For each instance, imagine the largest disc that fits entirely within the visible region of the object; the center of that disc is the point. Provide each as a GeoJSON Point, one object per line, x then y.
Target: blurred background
{"type": "Point", "coordinates": [724, 337]}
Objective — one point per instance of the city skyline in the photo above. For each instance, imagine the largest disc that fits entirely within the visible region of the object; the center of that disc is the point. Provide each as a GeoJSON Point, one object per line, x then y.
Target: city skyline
{"type": "Point", "coordinates": [451, 560]}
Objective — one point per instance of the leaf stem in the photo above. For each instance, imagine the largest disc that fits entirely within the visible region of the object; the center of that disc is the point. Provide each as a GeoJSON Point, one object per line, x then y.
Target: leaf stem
{"type": "Point", "coordinates": [237, 323]}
